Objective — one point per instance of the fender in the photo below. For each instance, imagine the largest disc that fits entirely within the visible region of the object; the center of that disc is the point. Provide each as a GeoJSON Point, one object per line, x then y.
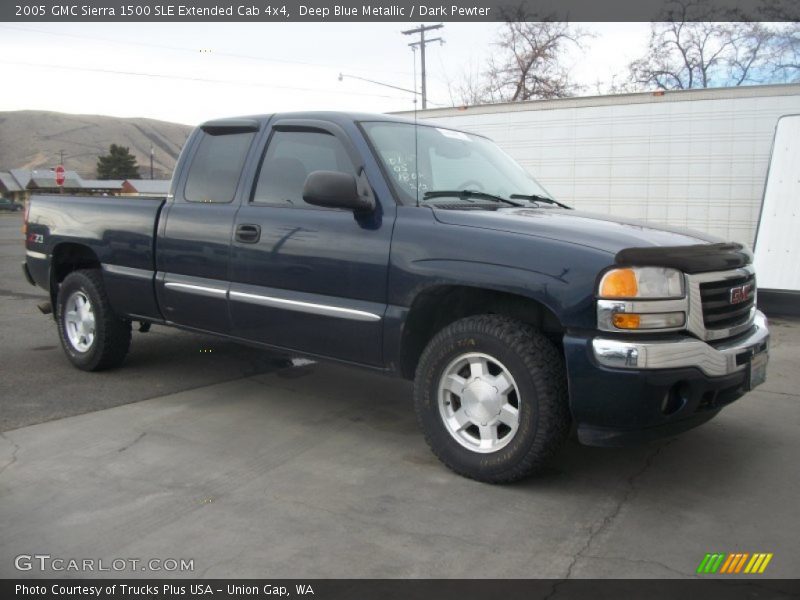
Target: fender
{"type": "Point", "coordinates": [558, 274]}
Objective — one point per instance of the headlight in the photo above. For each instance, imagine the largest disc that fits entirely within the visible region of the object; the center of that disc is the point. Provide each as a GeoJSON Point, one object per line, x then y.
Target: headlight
{"type": "Point", "coordinates": [641, 282]}
{"type": "Point", "coordinates": [644, 299]}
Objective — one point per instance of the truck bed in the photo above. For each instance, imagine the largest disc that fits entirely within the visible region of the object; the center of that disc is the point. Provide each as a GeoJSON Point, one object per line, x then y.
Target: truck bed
{"type": "Point", "coordinates": [120, 231]}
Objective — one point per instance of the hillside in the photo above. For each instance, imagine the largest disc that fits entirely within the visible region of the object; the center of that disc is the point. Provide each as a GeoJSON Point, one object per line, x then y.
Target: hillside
{"type": "Point", "coordinates": [33, 139]}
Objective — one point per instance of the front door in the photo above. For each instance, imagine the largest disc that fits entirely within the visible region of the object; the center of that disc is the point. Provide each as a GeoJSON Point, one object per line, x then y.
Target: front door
{"type": "Point", "coordinates": [303, 277]}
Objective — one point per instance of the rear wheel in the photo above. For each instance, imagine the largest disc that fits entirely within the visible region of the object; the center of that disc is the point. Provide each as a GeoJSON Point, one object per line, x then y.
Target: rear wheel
{"type": "Point", "coordinates": [490, 396]}
{"type": "Point", "coordinates": [92, 335]}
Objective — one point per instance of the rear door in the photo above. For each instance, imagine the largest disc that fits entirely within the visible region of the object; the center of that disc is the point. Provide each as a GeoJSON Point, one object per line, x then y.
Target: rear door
{"type": "Point", "coordinates": [303, 277]}
{"type": "Point", "coordinates": [194, 243]}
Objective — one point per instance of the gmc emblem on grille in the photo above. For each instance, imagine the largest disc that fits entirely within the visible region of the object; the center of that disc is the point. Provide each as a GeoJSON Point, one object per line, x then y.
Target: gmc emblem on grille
{"type": "Point", "coordinates": [741, 293]}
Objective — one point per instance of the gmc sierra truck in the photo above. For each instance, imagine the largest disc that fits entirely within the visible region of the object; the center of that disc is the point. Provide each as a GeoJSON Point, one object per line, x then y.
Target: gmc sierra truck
{"type": "Point", "coordinates": [422, 252]}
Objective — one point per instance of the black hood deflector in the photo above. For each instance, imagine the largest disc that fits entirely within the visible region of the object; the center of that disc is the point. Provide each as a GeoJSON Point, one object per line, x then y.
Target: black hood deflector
{"type": "Point", "coordinates": [699, 258]}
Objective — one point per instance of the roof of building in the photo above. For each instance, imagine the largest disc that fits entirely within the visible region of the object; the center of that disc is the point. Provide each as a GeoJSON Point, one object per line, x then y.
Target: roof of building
{"type": "Point", "coordinates": [150, 186]}
{"type": "Point", "coordinates": [22, 176]}
{"type": "Point", "coordinates": [649, 97]}
{"type": "Point", "coordinates": [9, 183]}
{"type": "Point", "coordinates": [17, 180]}
{"type": "Point", "coordinates": [49, 183]}
{"type": "Point", "coordinates": [102, 184]}
{"type": "Point", "coordinates": [46, 178]}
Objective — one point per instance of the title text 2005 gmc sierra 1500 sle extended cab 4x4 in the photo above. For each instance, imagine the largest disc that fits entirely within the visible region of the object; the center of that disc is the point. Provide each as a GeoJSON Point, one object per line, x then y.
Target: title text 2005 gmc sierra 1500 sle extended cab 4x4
{"type": "Point", "coordinates": [423, 252]}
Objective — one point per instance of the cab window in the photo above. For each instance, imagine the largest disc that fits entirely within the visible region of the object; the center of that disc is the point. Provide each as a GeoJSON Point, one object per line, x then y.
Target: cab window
{"type": "Point", "coordinates": [216, 167]}
{"type": "Point", "coordinates": [291, 156]}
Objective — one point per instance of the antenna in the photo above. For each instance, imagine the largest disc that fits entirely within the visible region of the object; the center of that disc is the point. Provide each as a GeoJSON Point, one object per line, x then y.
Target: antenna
{"type": "Point", "coordinates": [416, 131]}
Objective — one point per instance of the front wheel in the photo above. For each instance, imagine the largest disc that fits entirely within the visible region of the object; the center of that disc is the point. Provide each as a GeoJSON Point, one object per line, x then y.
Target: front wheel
{"type": "Point", "coordinates": [92, 335]}
{"type": "Point", "coordinates": [490, 396]}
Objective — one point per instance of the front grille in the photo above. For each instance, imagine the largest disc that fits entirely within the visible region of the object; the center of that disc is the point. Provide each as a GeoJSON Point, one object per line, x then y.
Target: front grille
{"type": "Point", "coordinates": [718, 312]}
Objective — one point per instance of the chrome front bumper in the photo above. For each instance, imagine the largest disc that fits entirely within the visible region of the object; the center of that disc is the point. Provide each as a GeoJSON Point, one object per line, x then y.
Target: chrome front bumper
{"type": "Point", "coordinates": [723, 358]}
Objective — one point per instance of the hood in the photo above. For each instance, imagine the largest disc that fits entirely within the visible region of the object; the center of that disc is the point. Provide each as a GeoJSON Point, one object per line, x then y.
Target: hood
{"type": "Point", "coordinates": [632, 243]}
{"type": "Point", "coordinates": [602, 232]}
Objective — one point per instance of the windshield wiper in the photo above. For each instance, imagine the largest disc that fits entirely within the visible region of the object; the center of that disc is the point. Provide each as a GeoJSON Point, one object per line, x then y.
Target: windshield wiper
{"type": "Point", "coordinates": [468, 194]}
{"type": "Point", "coordinates": [538, 198]}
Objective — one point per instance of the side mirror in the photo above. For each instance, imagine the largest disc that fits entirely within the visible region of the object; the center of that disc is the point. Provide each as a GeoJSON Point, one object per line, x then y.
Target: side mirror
{"type": "Point", "coordinates": [333, 189]}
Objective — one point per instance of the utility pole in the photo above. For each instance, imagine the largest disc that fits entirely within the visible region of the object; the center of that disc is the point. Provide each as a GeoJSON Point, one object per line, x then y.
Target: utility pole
{"type": "Point", "coordinates": [421, 44]}
{"type": "Point", "coordinates": [151, 161]}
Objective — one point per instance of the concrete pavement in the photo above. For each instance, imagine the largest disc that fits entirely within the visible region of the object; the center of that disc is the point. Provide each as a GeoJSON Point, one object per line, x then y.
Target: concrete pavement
{"type": "Point", "coordinates": [320, 471]}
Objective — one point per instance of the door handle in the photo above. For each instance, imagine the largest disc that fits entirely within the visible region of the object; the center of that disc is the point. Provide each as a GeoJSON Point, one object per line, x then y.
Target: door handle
{"type": "Point", "coordinates": [248, 234]}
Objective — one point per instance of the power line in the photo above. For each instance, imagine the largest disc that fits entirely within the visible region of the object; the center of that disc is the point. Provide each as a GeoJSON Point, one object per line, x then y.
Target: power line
{"type": "Point", "coordinates": [342, 77]}
{"type": "Point", "coordinates": [196, 79]}
{"type": "Point", "coordinates": [421, 45]}
{"type": "Point", "coordinates": [195, 50]}
{"type": "Point", "coordinates": [388, 85]}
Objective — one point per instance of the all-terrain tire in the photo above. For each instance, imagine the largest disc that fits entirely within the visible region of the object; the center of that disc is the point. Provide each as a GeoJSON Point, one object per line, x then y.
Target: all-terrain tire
{"type": "Point", "coordinates": [111, 336]}
{"type": "Point", "coordinates": [537, 368]}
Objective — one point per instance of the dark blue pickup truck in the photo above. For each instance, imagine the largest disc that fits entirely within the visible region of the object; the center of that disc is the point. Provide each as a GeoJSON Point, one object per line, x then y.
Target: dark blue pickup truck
{"type": "Point", "coordinates": [422, 252]}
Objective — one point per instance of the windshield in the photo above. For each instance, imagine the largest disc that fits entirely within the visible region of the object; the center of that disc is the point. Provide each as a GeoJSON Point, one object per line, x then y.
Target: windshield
{"type": "Point", "coordinates": [449, 161]}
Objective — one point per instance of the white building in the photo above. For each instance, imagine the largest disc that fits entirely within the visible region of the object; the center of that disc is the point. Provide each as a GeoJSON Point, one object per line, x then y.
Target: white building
{"type": "Point", "coordinates": [695, 158]}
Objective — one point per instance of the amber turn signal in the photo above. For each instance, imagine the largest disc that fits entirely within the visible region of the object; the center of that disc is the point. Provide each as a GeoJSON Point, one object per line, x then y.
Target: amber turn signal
{"type": "Point", "coordinates": [648, 320]}
{"type": "Point", "coordinates": [626, 321]}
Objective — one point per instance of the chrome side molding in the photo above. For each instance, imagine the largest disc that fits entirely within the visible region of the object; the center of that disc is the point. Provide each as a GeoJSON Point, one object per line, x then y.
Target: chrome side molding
{"type": "Point", "coordinates": [306, 307]}
{"type": "Point", "coordinates": [313, 308]}
{"type": "Point", "coordinates": [196, 289]}
{"type": "Point", "coordinates": [127, 271]}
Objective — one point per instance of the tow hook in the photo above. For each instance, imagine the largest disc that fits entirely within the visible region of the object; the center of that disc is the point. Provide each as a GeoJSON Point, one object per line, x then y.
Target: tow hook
{"type": "Point", "coordinates": [144, 326]}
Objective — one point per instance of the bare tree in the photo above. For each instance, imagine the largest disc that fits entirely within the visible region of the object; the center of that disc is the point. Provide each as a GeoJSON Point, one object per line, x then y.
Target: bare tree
{"type": "Point", "coordinates": [468, 88]}
{"type": "Point", "coordinates": [528, 63]}
{"type": "Point", "coordinates": [787, 45]}
{"type": "Point", "coordinates": [687, 52]}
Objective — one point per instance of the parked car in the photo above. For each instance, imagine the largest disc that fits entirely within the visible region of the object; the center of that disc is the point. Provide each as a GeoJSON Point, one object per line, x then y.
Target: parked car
{"type": "Point", "coordinates": [420, 252]}
{"type": "Point", "coordinates": [9, 205]}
